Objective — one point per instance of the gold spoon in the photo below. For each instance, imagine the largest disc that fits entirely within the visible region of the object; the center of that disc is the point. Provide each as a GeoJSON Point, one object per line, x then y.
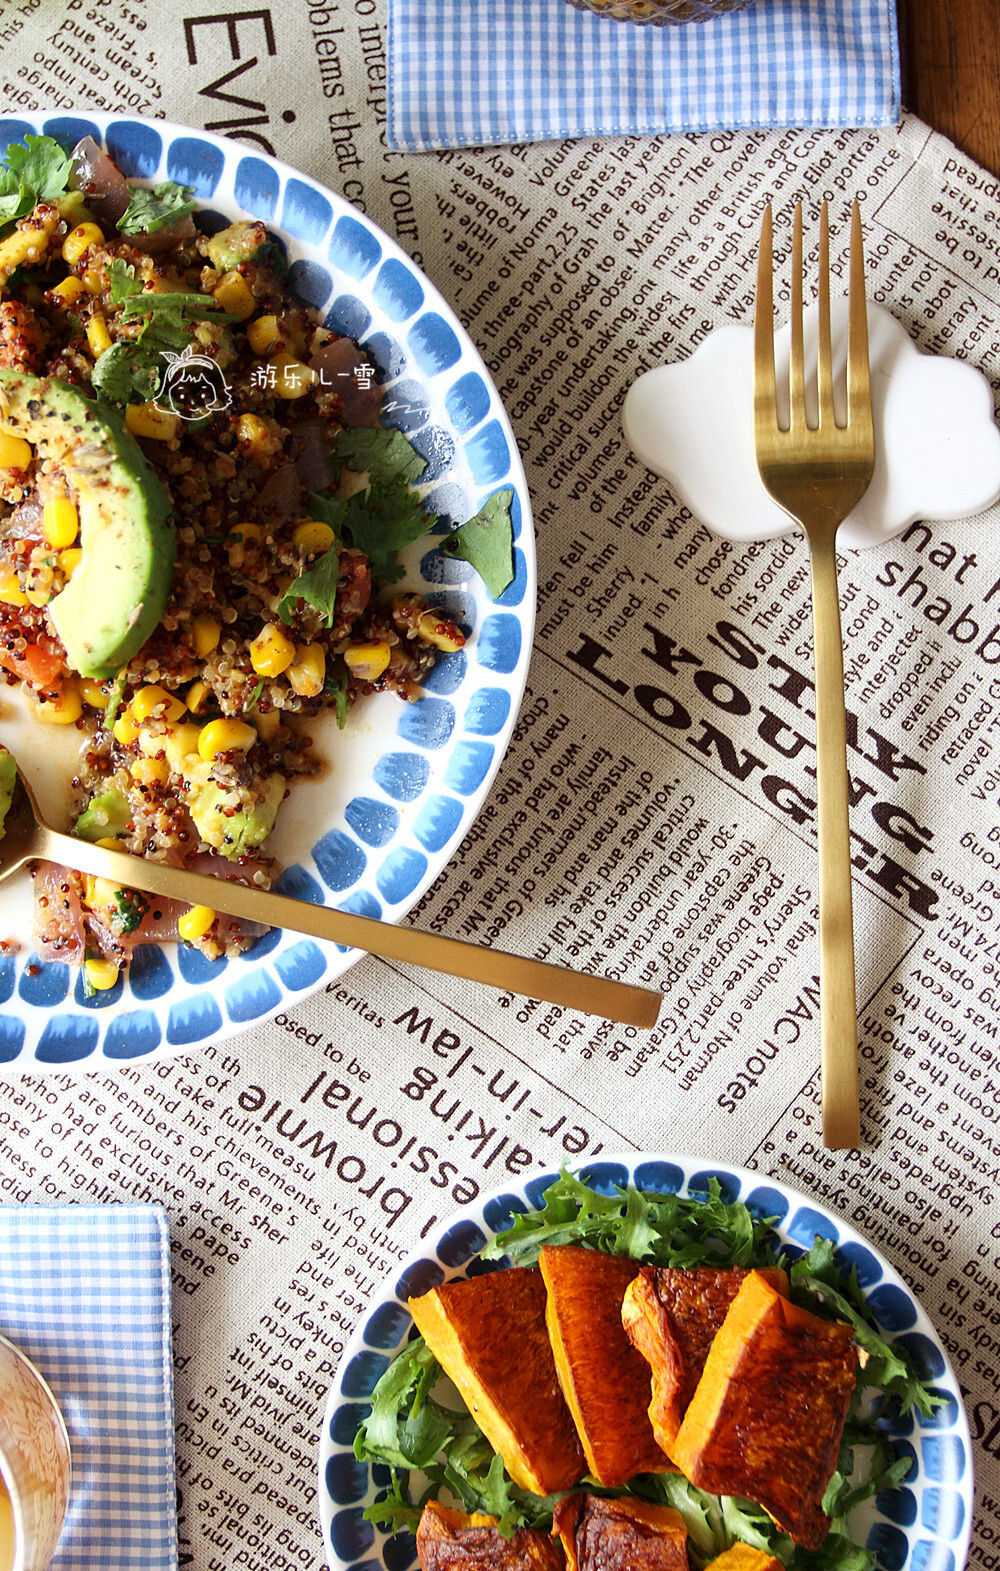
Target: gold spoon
{"type": "Point", "coordinates": [25, 837]}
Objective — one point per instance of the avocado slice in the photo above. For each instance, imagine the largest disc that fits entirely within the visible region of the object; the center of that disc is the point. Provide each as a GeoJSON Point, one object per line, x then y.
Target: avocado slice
{"type": "Point", "coordinates": [119, 592]}
{"type": "Point", "coordinates": [244, 241]}
{"type": "Point", "coordinates": [234, 833]}
{"type": "Point", "coordinates": [8, 775]}
{"type": "Point", "coordinates": [105, 816]}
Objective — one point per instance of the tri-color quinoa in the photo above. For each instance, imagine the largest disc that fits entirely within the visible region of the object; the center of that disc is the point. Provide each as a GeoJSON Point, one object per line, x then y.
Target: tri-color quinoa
{"type": "Point", "coordinates": [186, 753]}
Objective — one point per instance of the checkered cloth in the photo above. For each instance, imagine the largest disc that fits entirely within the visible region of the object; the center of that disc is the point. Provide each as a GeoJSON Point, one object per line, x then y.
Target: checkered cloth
{"type": "Point", "coordinates": [85, 1293]}
{"type": "Point", "coordinates": [467, 73]}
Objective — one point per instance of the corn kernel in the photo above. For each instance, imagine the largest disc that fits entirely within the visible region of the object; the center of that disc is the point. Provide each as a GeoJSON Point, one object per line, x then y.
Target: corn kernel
{"type": "Point", "coordinates": [15, 452]}
{"type": "Point", "coordinates": [367, 661]}
{"type": "Point", "coordinates": [60, 522]}
{"type": "Point", "coordinates": [313, 537]}
{"type": "Point", "coordinates": [92, 280]}
{"type": "Point", "coordinates": [98, 336]}
{"type": "Point", "coordinates": [11, 592]}
{"type": "Point", "coordinates": [196, 695]}
{"type": "Point", "coordinates": [222, 736]}
{"type": "Point", "coordinates": [205, 634]}
{"type": "Point", "coordinates": [64, 710]}
{"type": "Point", "coordinates": [263, 335]}
{"type": "Point", "coordinates": [111, 843]}
{"type": "Point", "coordinates": [80, 240]}
{"type": "Point", "coordinates": [93, 693]}
{"type": "Point", "coordinates": [150, 771]}
{"type": "Point", "coordinates": [68, 290]}
{"type": "Point", "coordinates": [70, 560]}
{"type": "Point", "coordinates": [147, 420]}
{"type": "Point", "coordinates": [125, 729]}
{"type": "Point", "coordinates": [272, 651]}
{"type": "Point", "coordinates": [292, 378]}
{"type": "Point", "coordinates": [235, 296]}
{"type": "Point", "coordinates": [101, 974]}
{"type": "Point", "coordinates": [432, 630]}
{"type": "Point", "coordinates": [308, 670]}
{"type": "Point", "coordinates": [154, 699]}
{"type": "Point", "coordinates": [195, 923]}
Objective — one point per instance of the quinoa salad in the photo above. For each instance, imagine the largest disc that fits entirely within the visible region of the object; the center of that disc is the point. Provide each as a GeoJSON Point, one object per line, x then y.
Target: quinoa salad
{"type": "Point", "coordinates": [181, 438]}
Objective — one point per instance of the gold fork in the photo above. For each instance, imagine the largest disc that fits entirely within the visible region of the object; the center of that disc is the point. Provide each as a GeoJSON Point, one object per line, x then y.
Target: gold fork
{"type": "Point", "coordinates": [818, 475]}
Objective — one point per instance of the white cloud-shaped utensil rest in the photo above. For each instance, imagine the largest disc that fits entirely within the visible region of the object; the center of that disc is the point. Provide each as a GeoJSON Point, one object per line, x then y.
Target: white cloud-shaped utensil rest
{"type": "Point", "coordinates": [937, 447]}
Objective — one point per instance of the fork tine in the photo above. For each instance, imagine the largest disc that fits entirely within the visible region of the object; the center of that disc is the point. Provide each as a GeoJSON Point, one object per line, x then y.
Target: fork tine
{"type": "Point", "coordinates": [824, 363]}
{"type": "Point", "coordinates": [796, 364]}
{"type": "Point", "coordinates": [764, 404]}
{"type": "Point", "coordinates": [859, 408]}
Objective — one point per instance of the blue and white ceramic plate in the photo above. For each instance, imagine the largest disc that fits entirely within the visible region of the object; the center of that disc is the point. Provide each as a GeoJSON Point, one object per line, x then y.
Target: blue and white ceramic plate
{"type": "Point", "coordinates": [405, 780]}
{"type": "Point", "coordinates": [922, 1526]}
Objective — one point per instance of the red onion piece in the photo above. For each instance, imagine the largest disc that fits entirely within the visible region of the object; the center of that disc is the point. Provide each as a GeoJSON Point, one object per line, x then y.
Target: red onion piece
{"type": "Point", "coordinates": [24, 521]}
{"type": "Point", "coordinates": [314, 464]}
{"type": "Point", "coordinates": [101, 181]}
{"type": "Point", "coordinates": [343, 369]}
{"type": "Point", "coordinates": [281, 497]}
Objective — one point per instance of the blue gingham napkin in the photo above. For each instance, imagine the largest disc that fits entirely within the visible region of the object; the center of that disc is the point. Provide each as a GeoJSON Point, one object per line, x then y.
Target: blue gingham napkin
{"type": "Point", "coordinates": [85, 1293]}
{"type": "Point", "coordinates": [473, 73]}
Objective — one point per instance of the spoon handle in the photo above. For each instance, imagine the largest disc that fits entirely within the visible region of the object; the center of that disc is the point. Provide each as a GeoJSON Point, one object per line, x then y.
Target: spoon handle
{"type": "Point", "coordinates": [553, 984]}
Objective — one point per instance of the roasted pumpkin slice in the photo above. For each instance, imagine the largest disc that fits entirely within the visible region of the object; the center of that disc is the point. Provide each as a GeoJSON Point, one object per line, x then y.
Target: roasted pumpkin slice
{"type": "Point", "coordinates": [488, 1334]}
{"type": "Point", "coordinates": [766, 1419]}
{"type": "Point", "coordinates": [671, 1315]}
{"type": "Point", "coordinates": [621, 1534]}
{"type": "Point", "coordinates": [449, 1541]}
{"type": "Point", "coordinates": [741, 1557]}
{"type": "Point", "coordinates": [604, 1379]}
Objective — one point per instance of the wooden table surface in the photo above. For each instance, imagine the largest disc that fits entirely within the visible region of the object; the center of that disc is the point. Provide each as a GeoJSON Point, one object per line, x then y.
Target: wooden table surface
{"type": "Point", "coordinates": [950, 53]}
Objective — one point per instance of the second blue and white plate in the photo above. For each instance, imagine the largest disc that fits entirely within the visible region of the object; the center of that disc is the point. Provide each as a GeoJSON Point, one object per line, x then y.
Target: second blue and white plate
{"type": "Point", "coordinates": [922, 1526]}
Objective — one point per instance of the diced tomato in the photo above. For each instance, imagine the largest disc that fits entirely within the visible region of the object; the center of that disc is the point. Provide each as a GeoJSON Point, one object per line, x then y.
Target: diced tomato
{"type": "Point", "coordinates": [36, 665]}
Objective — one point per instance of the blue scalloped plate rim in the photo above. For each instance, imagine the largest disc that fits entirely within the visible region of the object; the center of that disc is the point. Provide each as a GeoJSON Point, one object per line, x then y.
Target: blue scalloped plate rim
{"type": "Point", "coordinates": [923, 1526]}
{"type": "Point", "coordinates": [418, 773]}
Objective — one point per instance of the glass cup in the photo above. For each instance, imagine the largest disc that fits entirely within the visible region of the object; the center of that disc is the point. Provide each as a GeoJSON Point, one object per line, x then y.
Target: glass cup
{"type": "Point", "coordinates": [660, 13]}
{"type": "Point", "coordinates": [34, 1465]}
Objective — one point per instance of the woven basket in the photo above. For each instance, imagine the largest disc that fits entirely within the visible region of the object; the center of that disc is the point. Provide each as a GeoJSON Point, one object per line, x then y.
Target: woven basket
{"type": "Point", "coordinates": [660, 13]}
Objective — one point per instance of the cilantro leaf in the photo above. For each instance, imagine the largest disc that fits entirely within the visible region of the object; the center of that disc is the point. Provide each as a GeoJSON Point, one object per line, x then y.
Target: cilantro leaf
{"type": "Point", "coordinates": [337, 682]}
{"type": "Point", "coordinates": [16, 199]}
{"type": "Point", "coordinates": [39, 165]}
{"type": "Point", "coordinates": [317, 587]}
{"type": "Point", "coordinates": [328, 510]}
{"type": "Point", "coordinates": [382, 521]}
{"type": "Point", "coordinates": [381, 452]}
{"type": "Point", "coordinates": [486, 542]}
{"type": "Point", "coordinates": [128, 367]}
{"type": "Point", "coordinates": [151, 210]}
{"type": "Point", "coordinates": [123, 281]}
{"type": "Point", "coordinates": [135, 366]}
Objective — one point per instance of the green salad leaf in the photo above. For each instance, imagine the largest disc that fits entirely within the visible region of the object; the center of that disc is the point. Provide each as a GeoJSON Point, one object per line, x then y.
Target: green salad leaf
{"type": "Point", "coordinates": [35, 170]}
{"type": "Point", "coordinates": [411, 1431]}
{"type": "Point", "coordinates": [665, 1230]}
{"type": "Point", "coordinates": [486, 542]}
{"type": "Point", "coordinates": [151, 210]}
